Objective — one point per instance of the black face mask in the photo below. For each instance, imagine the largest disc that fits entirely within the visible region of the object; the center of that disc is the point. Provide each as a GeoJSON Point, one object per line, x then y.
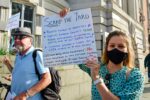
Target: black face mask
{"type": "Point", "coordinates": [116, 56]}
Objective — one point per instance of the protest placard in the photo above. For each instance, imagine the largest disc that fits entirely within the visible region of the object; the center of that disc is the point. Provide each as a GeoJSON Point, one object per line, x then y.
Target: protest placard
{"type": "Point", "coordinates": [68, 40]}
{"type": "Point", "coordinates": [13, 22]}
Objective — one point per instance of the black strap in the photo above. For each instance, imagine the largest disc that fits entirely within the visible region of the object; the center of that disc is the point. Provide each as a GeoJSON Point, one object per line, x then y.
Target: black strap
{"type": "Point", "coordinates": [34, 60]}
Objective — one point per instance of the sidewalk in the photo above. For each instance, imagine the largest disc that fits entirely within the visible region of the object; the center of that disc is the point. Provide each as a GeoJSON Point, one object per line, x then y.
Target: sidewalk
{"type": "Point", "coordinates": [146, 94]}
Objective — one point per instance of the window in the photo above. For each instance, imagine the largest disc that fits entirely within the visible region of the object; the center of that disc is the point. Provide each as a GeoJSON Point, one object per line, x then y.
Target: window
{"type": "Point", "coordinates": [4, 14]}
{"type": "Point", "coordinates": [26, 14]}
{"type": "Point", "coordinates": [131, 8]}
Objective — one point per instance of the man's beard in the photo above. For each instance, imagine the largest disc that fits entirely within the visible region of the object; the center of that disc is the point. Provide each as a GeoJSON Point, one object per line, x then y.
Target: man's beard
{"type": "Point", "coordinates": [19, 48]}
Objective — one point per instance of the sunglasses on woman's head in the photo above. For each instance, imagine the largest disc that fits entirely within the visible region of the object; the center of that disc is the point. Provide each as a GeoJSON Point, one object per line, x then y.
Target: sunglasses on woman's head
{"type": "Point", "coordinates": [20, 37]}
{"type": "Point", "coordinates": [107, 80]}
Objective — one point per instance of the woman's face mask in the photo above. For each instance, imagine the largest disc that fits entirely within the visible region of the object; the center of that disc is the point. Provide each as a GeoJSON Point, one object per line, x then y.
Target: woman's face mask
{"type": "Point", "coordinates": [116, 56]}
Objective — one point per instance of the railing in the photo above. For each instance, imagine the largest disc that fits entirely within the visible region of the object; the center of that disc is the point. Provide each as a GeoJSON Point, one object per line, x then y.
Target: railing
{"type": "Point", "coordinates": [4, 88]}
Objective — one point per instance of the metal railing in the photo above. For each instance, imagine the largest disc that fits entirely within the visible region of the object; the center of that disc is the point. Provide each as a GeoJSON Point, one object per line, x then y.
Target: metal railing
{"type": "Point", "coordinates": [4, 88]}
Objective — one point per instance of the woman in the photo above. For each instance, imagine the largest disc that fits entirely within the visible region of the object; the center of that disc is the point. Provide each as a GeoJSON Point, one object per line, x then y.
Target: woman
{"type": "Point", "coordinates": [116, 78]}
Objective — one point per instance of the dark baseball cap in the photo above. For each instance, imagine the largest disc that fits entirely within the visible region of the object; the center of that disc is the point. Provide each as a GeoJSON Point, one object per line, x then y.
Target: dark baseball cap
{"type": "Point", "coordinates": [22, 31]}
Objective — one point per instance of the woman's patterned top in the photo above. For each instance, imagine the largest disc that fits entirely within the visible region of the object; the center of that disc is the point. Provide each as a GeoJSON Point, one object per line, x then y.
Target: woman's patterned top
{"type": "Point", "coordinates": [126, 87]}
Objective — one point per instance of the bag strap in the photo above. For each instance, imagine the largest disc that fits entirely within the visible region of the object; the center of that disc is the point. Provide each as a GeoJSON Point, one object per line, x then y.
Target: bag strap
{"type": "Point", "coordinates": [34, 60]}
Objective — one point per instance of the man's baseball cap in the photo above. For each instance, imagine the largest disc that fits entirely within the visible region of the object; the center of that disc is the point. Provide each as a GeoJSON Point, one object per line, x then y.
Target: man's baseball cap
{"type": "Point", "coordinates": [22, 31]}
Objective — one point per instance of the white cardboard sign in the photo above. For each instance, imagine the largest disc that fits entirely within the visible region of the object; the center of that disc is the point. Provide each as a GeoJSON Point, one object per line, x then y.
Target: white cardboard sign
{"type": "Point", "coordinates": [68, 40]}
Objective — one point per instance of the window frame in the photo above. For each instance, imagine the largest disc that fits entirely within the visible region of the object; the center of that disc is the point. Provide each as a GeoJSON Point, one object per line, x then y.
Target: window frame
{"type": "Point", "coordinates": [22, 20]}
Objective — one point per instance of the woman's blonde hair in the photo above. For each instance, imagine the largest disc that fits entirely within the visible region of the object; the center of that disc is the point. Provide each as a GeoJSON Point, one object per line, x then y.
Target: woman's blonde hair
{"type": "Point", "coordinates": [129, 61]}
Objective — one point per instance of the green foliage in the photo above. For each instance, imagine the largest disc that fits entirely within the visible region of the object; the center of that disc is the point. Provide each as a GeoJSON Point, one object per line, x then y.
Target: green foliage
{"type": "Point", "coordinates": [3, 51]}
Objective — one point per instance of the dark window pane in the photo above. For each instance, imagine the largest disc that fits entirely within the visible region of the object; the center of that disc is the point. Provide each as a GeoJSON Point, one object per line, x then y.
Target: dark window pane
{"type": "Point", "coordinates": [16, 8]}
{"type": "Point", "coordinates": [28, 13]}
{"type": "Point", "coordinates": [28, 24]}
{"type": "Point", "coordinates": [19, 23]}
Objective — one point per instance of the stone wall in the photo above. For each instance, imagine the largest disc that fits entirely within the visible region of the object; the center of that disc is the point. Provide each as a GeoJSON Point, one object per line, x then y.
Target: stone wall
{"type": "Point", "coordinates": [76, 84]}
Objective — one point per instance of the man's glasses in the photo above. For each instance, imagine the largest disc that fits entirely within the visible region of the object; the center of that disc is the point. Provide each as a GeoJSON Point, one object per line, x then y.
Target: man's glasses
{"type": "Point", "coordinates": [107, 80]}
{"type": "Point", "coordinates": [20, 37]}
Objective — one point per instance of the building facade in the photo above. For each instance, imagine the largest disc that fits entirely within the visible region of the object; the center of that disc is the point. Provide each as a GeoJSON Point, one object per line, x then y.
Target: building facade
{"type": "Point", "coordinates": [129, 16]}
{"type": "Point", "coordinates": [108, 15]}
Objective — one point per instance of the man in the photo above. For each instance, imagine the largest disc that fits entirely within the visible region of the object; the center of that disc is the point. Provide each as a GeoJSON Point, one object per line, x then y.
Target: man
{"type": "Point", "coordinates": [147, 64]}
{"type": "Point", "coordinates": [25, 82]}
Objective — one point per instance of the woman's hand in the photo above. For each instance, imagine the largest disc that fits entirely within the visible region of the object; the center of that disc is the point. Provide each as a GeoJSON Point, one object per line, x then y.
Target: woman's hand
{"type": "Point", "coordinates": [64, 12]}
{"type": "Point", "coordinates": [94, 66]}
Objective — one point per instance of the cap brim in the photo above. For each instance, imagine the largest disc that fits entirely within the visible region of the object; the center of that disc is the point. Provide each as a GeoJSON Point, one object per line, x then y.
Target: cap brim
{"type": "Point", "coordinates": [15, 34]}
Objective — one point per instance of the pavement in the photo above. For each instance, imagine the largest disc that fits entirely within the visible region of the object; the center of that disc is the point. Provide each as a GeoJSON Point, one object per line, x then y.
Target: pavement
{"type": "Point", "coordinates": [146, 93]}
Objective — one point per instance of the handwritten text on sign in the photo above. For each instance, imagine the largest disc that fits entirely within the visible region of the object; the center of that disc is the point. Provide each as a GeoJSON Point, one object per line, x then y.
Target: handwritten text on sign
{"type": "Point", "coordinates": [68, 40]}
